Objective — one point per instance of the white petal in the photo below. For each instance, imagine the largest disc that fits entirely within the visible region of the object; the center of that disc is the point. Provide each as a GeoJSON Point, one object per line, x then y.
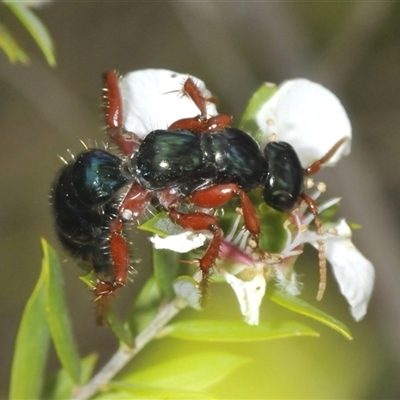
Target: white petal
{"type": "Point", "coordinates": [151, 100]}
{"type": "Point", "coordinates": [181, 243]}
{"type": "Point", "coordinates": [309, 117]}
{"type": "Point", "coordinates": [249, 294]}
{"type": "Point", "coordinates": [354, 273]}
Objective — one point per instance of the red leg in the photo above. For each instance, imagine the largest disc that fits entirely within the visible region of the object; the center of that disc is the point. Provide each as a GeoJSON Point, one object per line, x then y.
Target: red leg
{"type": "Point", "coordinates": [200, 123]}
{"type": "Point", "coordinates": [120, 259]}
{"type": "Point", "coordinates": [215, 196]}
{"type": "Point", "coordinates": [133, 205]}
{"type": "Point", "coordinates": [168, 198]}
{"type": "Point", "coordinates": [218, 195]}
{"type": "Point", "coordinates": [127, 142]}
{"type": "Point", "coordinates": [191, 90]}
{"type": "Point", "coordinates": [112, 102]}
{"type": "Point", "coordinates": [198, 221]}
{"type": "Point", "coordinates": [196, 124]}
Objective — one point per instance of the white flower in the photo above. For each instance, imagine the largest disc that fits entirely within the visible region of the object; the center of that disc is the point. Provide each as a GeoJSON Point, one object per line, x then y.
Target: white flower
{"type": "Point", "coordinates": [181, 243]}
{"type": "Point", "coordinates": [312, 120]}
{"type": "Point", "coordinates": [249, 293]}
{"type": "Point", "coordinates": [248, 277]}
{"type": "Point", "coordinates": [354, 273]}
{"type": "Point", "coordinates": [307, 116]}
{"type": "Point", "coordinates": [245, 272]}
{"type": "Point", "coordinates": [152, 99]}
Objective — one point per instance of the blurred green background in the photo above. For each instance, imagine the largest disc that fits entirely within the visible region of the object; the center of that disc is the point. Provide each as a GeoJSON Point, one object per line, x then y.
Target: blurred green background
{"type": "Point", "coordinates": [353, 48]}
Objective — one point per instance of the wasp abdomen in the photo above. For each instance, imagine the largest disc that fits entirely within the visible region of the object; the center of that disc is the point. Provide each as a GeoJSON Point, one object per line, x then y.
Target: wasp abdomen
{"type": "Point", "coordinates": [84, 204]}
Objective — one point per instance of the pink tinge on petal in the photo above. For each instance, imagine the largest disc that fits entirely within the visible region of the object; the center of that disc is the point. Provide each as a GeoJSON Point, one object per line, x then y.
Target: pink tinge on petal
{"type": "Point", "coordinates": [229, 252]}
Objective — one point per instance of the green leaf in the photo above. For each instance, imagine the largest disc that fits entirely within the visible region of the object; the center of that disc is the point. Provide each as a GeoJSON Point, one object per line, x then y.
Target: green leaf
{"type": "Point", "coordinates": [191, 373]}
{"type": "Point", "coordinates": [87, 366]}
{"type": "Point", "coordinates": [295, 304]}
{"type": "Point", "coordinates": [155, 393]}
{"type": "Point", "coordinates": [60, 386]}
{"type": "Point", "coordinates": [57, 314]}
{"type": "Point", "coordinates": [259, 98]}
{"type": "Point", "coordinates": [36, 28]}
{"type": "Point", "coordinates": [166, 265]}
{"type": "Point", "coordinates": [145, 307]}
{"type": "Point", "coordinates": [89, 279]}
{"type": "Point", "coordinates": [122, 333]}
{"type": "Point", "coordinates": [32, 345]}
{"type": "Point", "coordinates": [117, 395]}
{"type": "Point", "coordinates": [161, 225]}
{"type": "Point", "coordinates": [11, 47]}
{"type": "Point", "coordinates": [273, 234]}
{"type": "Point", "coordinates": [236, 331]}
{"type": "Point", "coordinates": [149, 294]}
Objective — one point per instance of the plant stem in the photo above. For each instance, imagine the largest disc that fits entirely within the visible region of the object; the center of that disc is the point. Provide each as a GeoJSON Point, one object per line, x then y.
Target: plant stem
{"type": "Point", "coordinates": [125, 353]}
